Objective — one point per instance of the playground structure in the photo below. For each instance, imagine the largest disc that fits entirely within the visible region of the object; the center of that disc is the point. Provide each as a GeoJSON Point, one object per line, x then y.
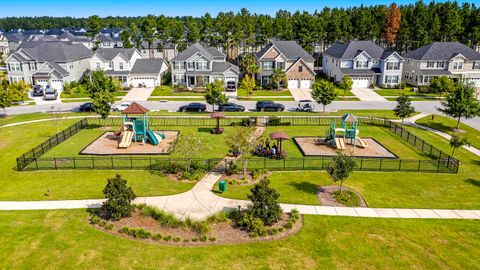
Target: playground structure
{"type": "Point", "coordinates": [348, 133]}
{"type": "Point", "coordinates": [135, 127]}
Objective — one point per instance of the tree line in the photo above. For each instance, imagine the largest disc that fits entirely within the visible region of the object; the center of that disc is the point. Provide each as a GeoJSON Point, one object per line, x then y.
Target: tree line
{"type": "Point", "coordinates": [403, 27]}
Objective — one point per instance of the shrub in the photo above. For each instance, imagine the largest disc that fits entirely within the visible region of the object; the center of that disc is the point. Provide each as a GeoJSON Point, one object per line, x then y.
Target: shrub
{"type": "Point", "coordinates": [201, 227]}
{"type": "Point", "coordinates": [294, 214]}
{"type": "Point", "coordinates": [177, 239]}
{"type": "Point", "coordinates": [280, 229]}
{"type": "Point", "coordinates": [272, 231]}
{"type": "Point", "coordinates": [288, 225]}
{"type": "Point", "coordinates": [252, 224]}
{"type": "Point", "coordinates": [124, 229]}
{"type": "Point", "coordinates": [109, 226]}
{"type": "Point", "coordinates": [140, 233]}
{"type": "Point", "coordinates": [212, 239]}
{"type": "Point", "coordinates": [195, 239]}
{"type": "Point", "coordinates": [157, 237]}
{"type": "Point", "coordinates": [231, 168]}
{"type": "Point", "coordinates": [218, 217]}
{"type": "Point", "coordinates": [167, 238]}
{"type": "Point", "coordinates": [119, 197]}
{"type": "Point", "coordinates": [94, 219]}
{"type": "Point", "coordinates": [264, 202]}
{"type": "Point", "coordinates": [186, 240]}
{"type": "Point", "coordinates": [203, 238]}
{"type": "Point", "coordinates": [163, 218]}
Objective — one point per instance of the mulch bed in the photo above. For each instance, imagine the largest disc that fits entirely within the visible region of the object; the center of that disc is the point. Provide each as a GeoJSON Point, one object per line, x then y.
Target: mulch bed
{"type": "Point", "coordinates": [224, 232]}
{"type": "Point", "coordinates": [326, 197]}
{"type": "Point", "coordinates": [315, 146]}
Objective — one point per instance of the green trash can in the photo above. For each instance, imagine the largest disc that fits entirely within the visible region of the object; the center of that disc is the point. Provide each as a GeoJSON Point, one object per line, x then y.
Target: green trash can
{"type": "Point", "coordinates": [222, 186]}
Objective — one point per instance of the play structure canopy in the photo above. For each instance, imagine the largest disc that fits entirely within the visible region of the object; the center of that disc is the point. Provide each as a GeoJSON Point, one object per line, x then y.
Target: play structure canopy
{"type": "Point", "coordinates": [135, 108]}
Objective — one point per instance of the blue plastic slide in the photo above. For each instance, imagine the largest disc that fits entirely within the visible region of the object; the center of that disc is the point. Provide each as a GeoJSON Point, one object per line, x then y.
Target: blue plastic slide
{"type": "Point", "coordinates": [151, 137]}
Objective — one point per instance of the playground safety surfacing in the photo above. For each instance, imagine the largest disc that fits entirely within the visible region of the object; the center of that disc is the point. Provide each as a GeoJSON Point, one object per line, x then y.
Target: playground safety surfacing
{"type": "Point", "coordinates": [107, 144]}
{"type": "Point", "coordinates": [316, 146]}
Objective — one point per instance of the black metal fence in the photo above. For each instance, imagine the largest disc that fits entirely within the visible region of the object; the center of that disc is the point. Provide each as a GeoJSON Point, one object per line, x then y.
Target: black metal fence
{"type": "Point", "coordinates": [35, 153]}
{"type": "Point", "coordinates": [440, 161]}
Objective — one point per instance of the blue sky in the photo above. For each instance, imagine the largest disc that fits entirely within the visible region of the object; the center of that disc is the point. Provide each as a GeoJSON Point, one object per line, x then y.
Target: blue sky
{"type": "Point", "coordinates": [85, 8]}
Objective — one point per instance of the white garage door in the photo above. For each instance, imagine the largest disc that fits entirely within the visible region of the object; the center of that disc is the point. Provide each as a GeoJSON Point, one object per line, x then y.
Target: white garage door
{"type": "Point", "coordinates": [293, 84]}
{"type": "Point", "coordinates": [230, 79]}
{"type": "Point", "coordinates": [361, 82]}
{"type": "Point", "coordinates": [305, 84]}
{"type": "Point", "coordinates": [474, 81]}
{"type": "Point", "coordinates": [57, 84]}
{"type": "Point", "coordinates": [147, 81]}
{"type": "Point", "coordinates": [41, 82]}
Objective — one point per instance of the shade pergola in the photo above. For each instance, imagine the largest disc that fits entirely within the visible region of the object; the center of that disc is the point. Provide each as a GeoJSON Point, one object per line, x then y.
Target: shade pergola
{"type": "Point", "coordinates": [279, 137]}
{"type": "Point", "coordinates": [218, 116]}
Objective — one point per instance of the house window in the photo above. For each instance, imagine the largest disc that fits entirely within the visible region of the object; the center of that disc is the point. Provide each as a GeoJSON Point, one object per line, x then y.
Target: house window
{"type": "Point", "coordinates": [280, 65]}
{"type": "Point", "coordinates": [362, 64]}
{"type": "Point", "coordinates": [267, 65]}
{"type": "Point", "coordinates": [190, 65]}
{"type": "Point", "coordinates": [391, 79]}
{"type": "Point", "coordinates": [393, 65]}
{"type": "Point", "coordinates": [202, 65]}
{"type": "Point", "coordinates": [110, 64]}
{"type": "Point", "coordinates": [121, 65]}
{"type": "Point", "coordinates": [457, 65]}
{"type": "Point", "coordinates": [178, 65]}
{"type": "Point", "coordinates": [265, 80]}
{"type": "Point", "coordinates": [300, 68]}
{"type": "Point", "coordinates": [98, 65]}
{"type": "Point", "coordinates": [16, 79]}
{"type": "Point", "coordinates": [179, 79]}
{"type": "Point", "coordinates": [440, 64]}
{"type": "Point", "coordinates": [430, 64]}
{"type": "Point", "coordinates": [14, 67]}
{"type": "Point", "coordinates": [476, 65]}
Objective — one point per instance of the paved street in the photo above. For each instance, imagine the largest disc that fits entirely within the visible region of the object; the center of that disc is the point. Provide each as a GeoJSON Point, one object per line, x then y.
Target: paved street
{"type": "Point", "coordinates": [427, 107]}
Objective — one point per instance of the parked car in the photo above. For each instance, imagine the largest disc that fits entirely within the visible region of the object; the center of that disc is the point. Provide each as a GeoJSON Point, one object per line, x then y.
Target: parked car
{"type": "Point", "coordinates": [231, 86]}
{"type": "Point", "coordinates": [50, 94]}
{"type": "Point", "coordinates": [193, 107]}
{"type": "Point", "coordinates": [122, 106]}
{"type": "Point", "coordinates": [231, 107]}
{"type": "Point", "coordinates": [87, 107]}
{"type": "Point", "coordinates": [305, 106]}
{"type": "Point", "coordinates": [37, 91]}
{"type": "Point", "coordinates": [268, 105]}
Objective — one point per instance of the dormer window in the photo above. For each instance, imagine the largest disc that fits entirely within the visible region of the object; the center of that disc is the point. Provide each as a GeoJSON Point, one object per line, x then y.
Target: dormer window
{"type": "Point", "coordinates": [362, 64]}
{"type": "Point", "coordinates": [393, 65]}
{"type": "Point", "coordinates": [121, 66]}
{"type": "Point", "coordinates": [430, 64]}
{"type": "Point", "coordinates": [457, 65]}
{"type": "Point", "coordinates": [440, 64]}
{"type": "Point", "coordinates": [190, 65]}
{"type": "Point", "coordinates": [476, 65]}
{"type": "Point", "coordinates": [300, 68]}
{"type": "Point", "coordinates": [98, 65]}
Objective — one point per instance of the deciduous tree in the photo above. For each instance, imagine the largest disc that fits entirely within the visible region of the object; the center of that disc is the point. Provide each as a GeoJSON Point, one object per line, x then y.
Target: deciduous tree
{"type": "Point", "coordinates": [461, 102]}
{"type": "Point", "coordinates": [404, 107]}
{"type": "Point", "coordinates": [119, 197]}
{"type": "Point", "coordinates": [340, 169]}
{"type": "Point", "coordinates": [324, 92]}
{"type": "Point", "coordinates": [214, 93]}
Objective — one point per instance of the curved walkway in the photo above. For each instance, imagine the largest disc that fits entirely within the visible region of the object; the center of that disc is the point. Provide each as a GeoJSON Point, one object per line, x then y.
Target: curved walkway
{"type": "Point", "coordinates": [200, 202]}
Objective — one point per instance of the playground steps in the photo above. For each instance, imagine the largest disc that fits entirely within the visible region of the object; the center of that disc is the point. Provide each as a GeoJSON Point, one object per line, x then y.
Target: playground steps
{"type": "Point", "coordinates": [126, 139]}
{"type": "Point", "coordinates": [362, 143]}
{"type": "Point", "coordinates": [340, 143]}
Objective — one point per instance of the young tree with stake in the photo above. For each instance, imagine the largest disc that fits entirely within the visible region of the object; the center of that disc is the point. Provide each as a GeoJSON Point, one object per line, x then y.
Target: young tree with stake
{"type": "Point", "coordinates": [214, 94]}
{"type": "Point", "coordinates": [457, 141]}
{"type": "Point", "coordinates": [404, 107]}
{"type": "Point", "coordinates": [461, 102]}
{"type": "Point", "coordinates": [341, 168]}
{"type": "Point", "coordinates": [324, 92]}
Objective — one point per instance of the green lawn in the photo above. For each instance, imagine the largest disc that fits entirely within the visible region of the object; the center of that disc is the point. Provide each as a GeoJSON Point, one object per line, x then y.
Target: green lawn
{"type": "Point", "coordinates": [266, 93]}
{"type": "Point", "coordinates": [256, 98]}
{"type": "Point", "coordinates": [408, 91]}
{"type": "Point", "coordinates": [200, 98]}
{"type": "Point", "coordinates": [166, 90]}
{"type": "Point", "coordinates": [64, 184]}
{"type": "Point", "coordinates": [447, 124]}
{"type": "Point", "coordinates": [85, 95]}
{"type": "Point", "coordinates": [64, 240]}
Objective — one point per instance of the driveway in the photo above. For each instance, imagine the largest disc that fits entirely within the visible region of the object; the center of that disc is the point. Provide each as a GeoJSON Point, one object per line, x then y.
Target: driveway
{"type": "Point", "coordinates": [367, 94]}
{"type": "Point", "coordinates": [138, 94]}
{"type": "Point", "coordinates": [301, 94]}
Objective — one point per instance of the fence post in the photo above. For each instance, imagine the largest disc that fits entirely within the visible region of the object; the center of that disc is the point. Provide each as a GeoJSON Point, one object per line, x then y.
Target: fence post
{"type": "Point", "coordinates": [400, 165]}
{"type": "Point", "coordinates": [150, 166]}
{"type": "Point", "coordinates": [438, 166]}
{"type": "Point", "coordinates": [284, 164]}
{"type": "Point", "coordinates": [361, 164]}
{"type": "Point", "coordinates": [264, 163]}
{"type": "Point", "coordinates": [419, 162]}
{"type": "Point", "coordinates": [74, 164]}
{"type": "Point", "coordinates": [303, 163]}
{"type": "Point", "coordinates": [380, 169]}
{"type": "Point", "coordinates": [111, 161]}
{"type": "Point", "coordinates": [36, 164]}
{"type": "Point", "coordinates": [323, 160]}
{"type": "Point", "coordinates": [131, 162]}
{"type": "Point", "coordinates": [93, 163]}
{"type": "Point", "coordinates": [55, 162]}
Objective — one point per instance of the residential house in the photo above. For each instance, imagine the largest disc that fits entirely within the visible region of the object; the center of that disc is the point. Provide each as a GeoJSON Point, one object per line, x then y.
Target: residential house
{"type": "Point", "coordinates": [159, 49]}
{"type": "Point", "coordinates": [451, 59]}
{"type": "Point", "coordinates": [4, 49]}
{"type": "Point", "coordinates": [289, 57]}
{"type": "Point", "coordinates": [128, 67]}
{"type": "Point", "coordinates": [76, 39]}
{"type": "Point", "coordinates": [107, 41]}
{"type": "Point", "coordinates": [365, 62]}
{"type": "Point", "coordinates": [116, 62]}
{"type": "Point", "coordinates": [14, 40]}
{"type": "Point", "coordinates": [49, 63]}
{"type": "Point", "coordinates": [199, 65]}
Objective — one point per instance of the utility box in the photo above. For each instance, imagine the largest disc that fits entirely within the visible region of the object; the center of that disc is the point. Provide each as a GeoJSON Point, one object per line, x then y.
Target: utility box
{"type": "Point", "coordinates": [222, 186]}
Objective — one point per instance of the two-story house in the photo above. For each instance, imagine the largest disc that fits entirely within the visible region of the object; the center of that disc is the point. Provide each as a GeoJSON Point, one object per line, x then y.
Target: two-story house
{"type": "Point", "coordinates": [289, 57]}
{"type": "Point", "coordinates": [197, 66]}
{"type": "Point", "coordinates": [159, 49]}
{"type": "Point", "coordinates": [4, 49]}
{"type": "Point", "coordinates": [451, 59]}
{"type": "Point", "coordinates": [128, 67]}
{"type": "Point", "coordinates": [365, 62]}
{"type": "Point", "coordinates": [49, 63]}
{"type": "Point", "coordinates": [14, 40]}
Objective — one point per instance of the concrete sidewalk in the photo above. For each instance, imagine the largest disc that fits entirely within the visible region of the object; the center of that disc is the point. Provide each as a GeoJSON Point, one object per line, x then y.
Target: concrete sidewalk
{"type": "Point", "coordinates": [138, 94]}
{"type": "Point", "coordinates": [301, 94]}
{"type": "Point", "coordinates": [200, 202]}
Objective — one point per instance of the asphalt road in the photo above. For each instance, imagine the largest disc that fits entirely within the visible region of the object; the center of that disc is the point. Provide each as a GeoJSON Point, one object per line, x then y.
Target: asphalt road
{"type": "Point", "coordinates": [420, 106]}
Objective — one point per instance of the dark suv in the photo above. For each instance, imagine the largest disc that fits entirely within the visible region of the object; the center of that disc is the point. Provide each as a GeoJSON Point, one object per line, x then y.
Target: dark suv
{"type": "Point", "coordinates": [231, 107]}
{"type": "Point", "coordinates": [268, 105]}
{"type": "Point", "coordinates": [231, 86]}
{"type": "Point", "coordinates": [87, 107]}
{"type": "Point", "coordinates": [37, 91]}
{"type": "Point", "coordinates": [193, 107]}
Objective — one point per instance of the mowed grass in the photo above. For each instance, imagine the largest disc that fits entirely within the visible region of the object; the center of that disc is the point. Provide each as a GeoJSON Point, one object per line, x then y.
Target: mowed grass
{"type": "Point", "coordinates": [447, 125]}
{"type": "Point", "coordinates": [166, 90]}
{"type": "Point", "coordinates": [396, 189]}
{"type": "Point", "coordinates": [64, 184]}
{"type": "Point", "coordinates": [63, 239]}
{"type": "Point", "coordinates": [265, 93]}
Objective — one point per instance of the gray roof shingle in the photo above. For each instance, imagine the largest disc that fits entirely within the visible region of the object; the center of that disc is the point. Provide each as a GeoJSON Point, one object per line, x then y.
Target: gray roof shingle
{"type": "Point", "coordinates": [59, 52]}
{"type": "Point", "coordinates": [110, 53]}
{"type": "Point", "coordinates": [147, 66]}
{"type": "Point", "coordinates": [443, 51]}
{"type": "Point", "coordinates": [210, 53]}
{"type": "Point", "coordinates": [353, 48]}
{"type": "Point", "coordinates": [220, 67]}
{"type": "Point", "coordinates": [290, 49]}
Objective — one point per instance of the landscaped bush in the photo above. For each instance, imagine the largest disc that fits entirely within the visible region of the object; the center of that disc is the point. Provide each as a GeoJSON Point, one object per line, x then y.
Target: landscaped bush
{"type": "Point", "coordinates": [264, 202]}
{"type": "Point", "coordinates": [252, 224]}
{"type": "Point", "coordinates": [136, 233]}
{"type": "Point", "coordinates": [163, 218]}
{"type": "Point", "coordinates": [275, 121]}
{"type": "Point", "coordinates": [231, 168]}
{"type": "Point", "coordinates": [119, 197]}
{"type": "Point", "coordinates": [348, 198]}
